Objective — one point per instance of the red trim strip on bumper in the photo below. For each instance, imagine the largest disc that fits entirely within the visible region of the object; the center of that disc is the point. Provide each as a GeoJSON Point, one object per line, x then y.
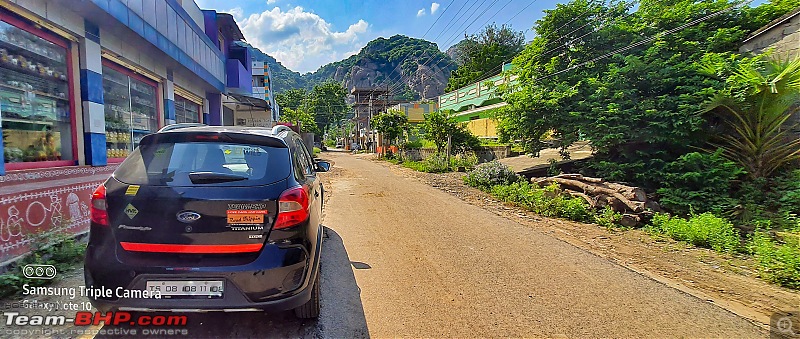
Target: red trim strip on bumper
{"type": "Point", "coordinates": [197, 249]}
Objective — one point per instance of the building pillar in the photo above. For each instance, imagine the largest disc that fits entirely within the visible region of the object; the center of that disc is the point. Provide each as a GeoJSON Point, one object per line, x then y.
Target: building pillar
{"type": "Point", "coordinates": [214, 116]}
{"type": "Point", "coordinates": [169, 99]}
{"type": "Point", "coordinates": [94, 120]}
{"type": "Point", "coordinates": [205, 111]}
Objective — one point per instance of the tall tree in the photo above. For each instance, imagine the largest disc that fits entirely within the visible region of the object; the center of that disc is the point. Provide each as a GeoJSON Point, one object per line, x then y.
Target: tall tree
{"type": "Point", "coordinates": [637, 108]}
{"type": "Point", "coordinates": [327, 103]}
{"type": "Point", "coordinates": [292, 98]}
{"type": "Point", "coordinates": [482, 54]}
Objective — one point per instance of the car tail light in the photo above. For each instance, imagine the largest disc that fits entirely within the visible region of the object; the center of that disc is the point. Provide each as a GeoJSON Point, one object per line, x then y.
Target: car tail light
{"type": "Point", "coordinates": [99, 214]}
{"type": "Point", "coordinates": [292, 207]}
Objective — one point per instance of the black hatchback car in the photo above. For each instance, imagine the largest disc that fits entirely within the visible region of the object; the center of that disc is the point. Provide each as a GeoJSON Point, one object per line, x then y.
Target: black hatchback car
{"type": "Point", "coordinates": [205, 218]}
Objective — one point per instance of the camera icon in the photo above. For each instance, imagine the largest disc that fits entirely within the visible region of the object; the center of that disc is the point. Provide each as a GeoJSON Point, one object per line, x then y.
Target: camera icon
{"type": "Point", "coordinates": [39, 271]}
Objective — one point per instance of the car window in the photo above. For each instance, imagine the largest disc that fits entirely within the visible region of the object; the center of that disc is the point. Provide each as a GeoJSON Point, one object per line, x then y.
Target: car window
{"type": "Point", "coordinates": [304, 157]}
{"type": "Point", "coordinates": [171, 163]}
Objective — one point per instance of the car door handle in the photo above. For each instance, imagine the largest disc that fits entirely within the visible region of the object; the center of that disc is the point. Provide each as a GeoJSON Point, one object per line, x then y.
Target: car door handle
{"type": "Point", "coordinates": [316, 194]}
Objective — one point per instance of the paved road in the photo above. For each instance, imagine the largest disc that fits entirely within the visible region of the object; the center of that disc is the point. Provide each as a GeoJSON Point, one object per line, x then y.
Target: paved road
{"type": "Point", "coordinates": [404, 259]}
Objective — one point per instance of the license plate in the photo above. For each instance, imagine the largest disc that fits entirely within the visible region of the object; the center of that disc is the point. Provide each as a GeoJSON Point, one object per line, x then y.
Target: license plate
{"type": "Point", "coordinates": [182, 288]}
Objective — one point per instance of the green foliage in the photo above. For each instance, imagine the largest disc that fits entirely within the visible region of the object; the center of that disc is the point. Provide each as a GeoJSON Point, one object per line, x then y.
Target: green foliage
{"type": "Point", "coordinates": [439, 124]}
{"type": "Point", "coordinates": [64, 253]}
{"type": "Point", "coordinates": [317, 151]}
{"type": "Point", "coordinates": [756, 107]}
{"type": "Point", "coordinates": [699, 182]}
{"type": "Point", "coordinates": [413, 144]}
{"type": "Point", "coordinates": [704, 230]}
{"type": "Point", "coordinates": [778, 263]}
{"type": "Point", "coordinates": [327, 103]}
{"type": "Point", "coordinates": [293, 98]}
{"type": "Point", "coordinates": [299, 116]}
{"type": "Point", "coordinates": [391, 124]}
{"type": "Point", "coordinates": [466, 160]}
{"type": "Point", "coordinates": [787, 193]}
{"type": "Point", "coordinates": [546, 201]}
{"type": "Point", "coordinates": [490, 174]}
{"type": "Point", "coordinates": [483, 54]}
{"type": "Point", "coordinates": [608, 218]}
{"type": "Point", "coordinates": [638, 109]}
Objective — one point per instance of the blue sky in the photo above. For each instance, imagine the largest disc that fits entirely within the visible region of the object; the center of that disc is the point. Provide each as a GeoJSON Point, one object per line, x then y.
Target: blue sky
{"type": "Point", "coordinates": [305, 34]}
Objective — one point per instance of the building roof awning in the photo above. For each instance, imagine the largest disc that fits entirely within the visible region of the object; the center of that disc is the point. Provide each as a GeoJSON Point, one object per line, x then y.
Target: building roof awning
{"type": "Point", "coordinates": [228, 25]}
{"type": "Point", "coordinates": [773, 24]}
{"type": "Point", "coordinates": [248, 101]}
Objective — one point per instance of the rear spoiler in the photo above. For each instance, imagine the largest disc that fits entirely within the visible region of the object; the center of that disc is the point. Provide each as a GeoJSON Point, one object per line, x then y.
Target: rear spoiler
{"type": "Point", "coordinates": [202, 136]}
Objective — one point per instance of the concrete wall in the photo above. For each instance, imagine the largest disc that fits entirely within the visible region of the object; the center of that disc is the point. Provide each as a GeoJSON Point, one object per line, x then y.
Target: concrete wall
{"type": "Point", "coordinates": [784, 38]}
{"type": "Point", "coordinates": [486, 128]}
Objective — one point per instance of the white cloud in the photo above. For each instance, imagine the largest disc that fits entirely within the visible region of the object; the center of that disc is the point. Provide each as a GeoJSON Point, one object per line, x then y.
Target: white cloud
{"type": "Point", "coordinates": [237, 13]}
{"type": "Point", "coordinates": [420, 12]}
{"type": "Point", "coordinates": [270, 2]}
{"type": "Point", "coordinates": [301, 40]}
{"type": "Point", "coordinates": [434, 7]}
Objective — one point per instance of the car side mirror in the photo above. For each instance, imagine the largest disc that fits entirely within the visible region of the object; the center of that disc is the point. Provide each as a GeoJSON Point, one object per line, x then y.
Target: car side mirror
{"type": "Point", "coordinates": [323, 166]}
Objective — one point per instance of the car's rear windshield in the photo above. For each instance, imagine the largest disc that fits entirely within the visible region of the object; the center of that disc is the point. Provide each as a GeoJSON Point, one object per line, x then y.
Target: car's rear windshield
{"type": "Point", "coordinates": [178, 163]}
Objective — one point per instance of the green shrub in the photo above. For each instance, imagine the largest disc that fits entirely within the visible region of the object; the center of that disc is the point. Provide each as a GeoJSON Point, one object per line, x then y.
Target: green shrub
{"type": "Point", "coordinates": [787, 193]}
{"type": "Point", "coordinates": [466, 160]}
{"type": "Point", "coordinates": [704, 230]}
{"type": "Point", "coordinates": [699, 182]}
{"type": "Point", "coordinates": [316, 151]}
{"type": "Point", "coordinates": [608, 218]}
{"type": "Point", "coordinates": [490, 174]}
{"type": "Point", "coordinates": [435, 163]}
{"type": "Point", "coordinates": [414, 144]}
{"type": "Point", "coordinates": [64, 253]}
{"type": "Point", "coordinates": [778, 263]}
{"type": "Point", "coordinates": [546, 201]}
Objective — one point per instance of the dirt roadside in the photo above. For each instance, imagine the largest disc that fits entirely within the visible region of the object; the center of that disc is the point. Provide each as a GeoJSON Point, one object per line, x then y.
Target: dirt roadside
{"type": "Point", "coordinates": [731, 281]}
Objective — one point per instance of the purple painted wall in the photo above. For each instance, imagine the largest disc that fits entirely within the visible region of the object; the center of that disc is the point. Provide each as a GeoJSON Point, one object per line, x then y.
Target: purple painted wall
{"type": "Point", "coordinates": [211, 28]}
{"type": "Point", "coordinates": [239, 78]}
{"type": "Point", "coordinates": [214, 109]}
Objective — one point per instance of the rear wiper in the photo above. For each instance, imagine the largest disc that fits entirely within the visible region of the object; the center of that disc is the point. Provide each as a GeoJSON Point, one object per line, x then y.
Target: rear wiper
{"type": "Point", "coordinates": [214, 177]}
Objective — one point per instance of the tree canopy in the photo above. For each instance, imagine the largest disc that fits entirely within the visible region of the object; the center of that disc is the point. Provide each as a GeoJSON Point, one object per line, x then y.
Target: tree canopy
{"type": "Point", "coordinates": [638, 108]}
{"type": "Point", "coordinates": [483, 54]}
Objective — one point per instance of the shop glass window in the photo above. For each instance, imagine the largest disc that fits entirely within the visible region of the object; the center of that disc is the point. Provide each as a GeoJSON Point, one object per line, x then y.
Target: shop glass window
{"type": "Point", "coordinates": [186, 111]}
{"type": "Point", "coordinates": [34, 98]}
{"type": "Point", "coordinates": [130, 110]}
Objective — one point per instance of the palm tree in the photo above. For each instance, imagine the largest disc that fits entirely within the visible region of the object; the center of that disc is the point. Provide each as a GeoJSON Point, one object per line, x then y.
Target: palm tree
{"type": "Point", "coordinates": [758, 106]}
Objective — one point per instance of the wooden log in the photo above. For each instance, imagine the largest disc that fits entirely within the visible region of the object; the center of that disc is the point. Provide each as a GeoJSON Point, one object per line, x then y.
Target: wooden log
{"type": "Point", "coordinates": [591, 190]}
{"type": "Point", "coordinates": [585, 197]}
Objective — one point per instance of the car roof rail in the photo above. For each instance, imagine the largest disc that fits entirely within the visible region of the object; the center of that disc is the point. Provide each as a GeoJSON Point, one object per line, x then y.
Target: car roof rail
{"type": "Point", "coordinates": [280, 128]}
{"type": "Point", "coordinates": [172, 127]}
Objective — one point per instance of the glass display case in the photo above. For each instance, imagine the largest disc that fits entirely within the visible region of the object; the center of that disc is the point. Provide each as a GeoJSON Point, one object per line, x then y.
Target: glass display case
{"type": "Point", "coordinates": [34, 97]}
{"type": "Point", "coordinates": [186, 110]}
{"type": "Point", "coordinates": [130, 111]}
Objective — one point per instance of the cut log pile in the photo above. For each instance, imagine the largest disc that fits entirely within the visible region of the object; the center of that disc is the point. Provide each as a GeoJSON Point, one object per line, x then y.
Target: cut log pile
{"type": "Point", "coordinates": [631, 202]}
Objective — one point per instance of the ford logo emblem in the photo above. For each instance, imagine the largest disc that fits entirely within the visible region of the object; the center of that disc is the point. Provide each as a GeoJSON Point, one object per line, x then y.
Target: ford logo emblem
{"type": "Point", "coordinates": [188, 216]}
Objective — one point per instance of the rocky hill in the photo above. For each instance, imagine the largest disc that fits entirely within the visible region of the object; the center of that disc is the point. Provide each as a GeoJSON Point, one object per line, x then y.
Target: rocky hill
{"type": "Point", "coordinates": [412, 68]}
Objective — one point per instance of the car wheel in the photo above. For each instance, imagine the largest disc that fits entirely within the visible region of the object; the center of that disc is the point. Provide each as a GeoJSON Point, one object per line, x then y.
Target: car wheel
{"type": "Point", "coordinates": [310, 310]}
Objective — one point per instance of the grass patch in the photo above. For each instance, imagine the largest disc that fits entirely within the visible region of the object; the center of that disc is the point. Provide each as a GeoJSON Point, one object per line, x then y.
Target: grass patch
{"type": "Point", "coordinates": [778, 262]}
{"type": "Point", "coordinates": [704, 230]}
{"type": "Point", "coordinates": [546, 201]}
{"type": "Point", "coordinates": [64, 254]}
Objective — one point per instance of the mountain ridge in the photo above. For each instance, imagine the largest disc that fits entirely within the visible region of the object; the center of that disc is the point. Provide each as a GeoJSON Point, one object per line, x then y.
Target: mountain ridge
{"type": "Point", "coordinates": [412, 68]}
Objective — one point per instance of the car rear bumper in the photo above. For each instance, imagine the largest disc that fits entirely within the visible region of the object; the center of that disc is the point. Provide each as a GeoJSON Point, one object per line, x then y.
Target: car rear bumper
{"type": "Point", "coordinates": [270, 283]}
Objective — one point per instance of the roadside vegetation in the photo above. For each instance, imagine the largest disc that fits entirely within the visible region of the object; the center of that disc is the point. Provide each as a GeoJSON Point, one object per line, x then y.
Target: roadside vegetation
{"type": "Point", "coordinates": [65, 253]}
